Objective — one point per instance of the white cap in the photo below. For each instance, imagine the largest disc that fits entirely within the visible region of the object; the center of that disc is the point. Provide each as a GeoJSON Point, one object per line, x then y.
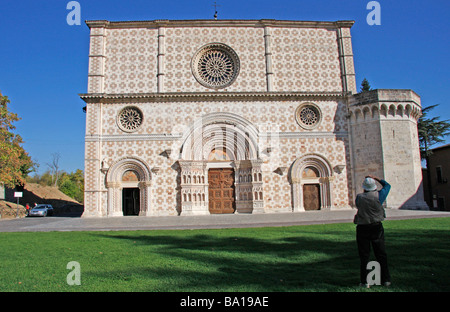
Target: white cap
{"type": "Point", "coordinates": [369, 184]}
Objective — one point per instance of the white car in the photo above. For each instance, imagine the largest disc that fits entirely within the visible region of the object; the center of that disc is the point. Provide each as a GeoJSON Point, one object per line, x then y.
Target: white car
{"type": "Point", "coordinates": [41, 210]}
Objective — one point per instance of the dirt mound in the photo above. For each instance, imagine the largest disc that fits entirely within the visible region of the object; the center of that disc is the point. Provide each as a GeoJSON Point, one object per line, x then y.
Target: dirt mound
{"type": "Point", "coordinates": [39, 194]}
{"type": "Point", "coordinates": [9, 210]}
{"type": "Point", "coordinates": [36, 193]}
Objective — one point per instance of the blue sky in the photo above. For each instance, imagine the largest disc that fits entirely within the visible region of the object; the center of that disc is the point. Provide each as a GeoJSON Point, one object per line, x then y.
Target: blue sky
{"type": "Point", "coordinates": [44, 61]}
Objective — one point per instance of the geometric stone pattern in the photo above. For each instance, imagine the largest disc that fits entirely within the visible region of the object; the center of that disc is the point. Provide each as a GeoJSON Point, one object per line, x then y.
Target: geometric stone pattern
{"type": "Point", "coordinates": [131, 63]}
{"type": "Point", "coordinates": [182, 43]}
{"type": "Point", "coordinates": [305, 60]}
{"type": "Point", "coordinates": [263, 115]}
{"type": "Point", "coordinates": [283, 66]}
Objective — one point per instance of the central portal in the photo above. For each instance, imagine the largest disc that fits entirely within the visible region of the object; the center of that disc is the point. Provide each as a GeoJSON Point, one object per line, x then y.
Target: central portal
{"type": "Point", "coordinates": [221, 190]}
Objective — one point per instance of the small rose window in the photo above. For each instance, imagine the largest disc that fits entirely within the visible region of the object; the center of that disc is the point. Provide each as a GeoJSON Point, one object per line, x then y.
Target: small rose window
{"type": "Point", "coordinates": [308, 116]}
{"type": "Point", "coordinates": [130, 119]}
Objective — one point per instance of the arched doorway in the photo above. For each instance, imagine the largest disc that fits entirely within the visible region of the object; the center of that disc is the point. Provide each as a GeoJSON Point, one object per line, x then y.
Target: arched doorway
{"type": "Point", "coordinates": [310, 177]}
{"type": "Point", "coordinates": [217, 151]}
{"type": "Point", "coordinates": [129, 187]}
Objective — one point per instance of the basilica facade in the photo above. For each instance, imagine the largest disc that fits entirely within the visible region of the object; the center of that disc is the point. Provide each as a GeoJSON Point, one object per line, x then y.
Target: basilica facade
{"type": "Point", "coordinates": [195, 117]}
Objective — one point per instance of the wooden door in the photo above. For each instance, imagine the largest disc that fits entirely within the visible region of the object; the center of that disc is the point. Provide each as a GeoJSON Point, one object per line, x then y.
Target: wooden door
{"type": "Point", "coordinates": [221, 190]}
{"type": "Point", "coordinates": [311, 196]}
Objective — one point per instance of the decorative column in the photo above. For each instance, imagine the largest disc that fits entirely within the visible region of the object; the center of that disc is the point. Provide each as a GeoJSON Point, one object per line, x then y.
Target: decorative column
{"type": "Point", "coordinates": [114, 199]}
{"type": "Point", "coordinates": [243, 186]}
{"type": "Point", "coordinates": [145, 198]}
{"type": "Point", "coordinates": [346, 57]}
{"type": "Point", "coordinates": [194, 188]}
{"type": "Point", "coordinates": [268, 55]}
{"type": "Point", "coordinates": [249, 186]}
{"type": "Point", "coordinates": [326, 192]}
{"type": "Point", "coordinates": [161, 54]}
{"type": "Point", "coordinates": [94, 186]}
{"type": "Point", "coordinates": [97, 57]}
{"type": "Point", "coordinates": [257, 186]}
{"type": "Point", "coordinates": [297, 195]}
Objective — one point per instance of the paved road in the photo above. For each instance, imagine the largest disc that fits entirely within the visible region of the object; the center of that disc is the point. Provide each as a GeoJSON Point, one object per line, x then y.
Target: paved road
{"type": "Point", "coordinates": [197, 222]}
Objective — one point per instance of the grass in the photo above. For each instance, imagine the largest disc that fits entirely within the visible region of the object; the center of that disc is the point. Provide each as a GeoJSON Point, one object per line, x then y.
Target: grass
{"type": "Point", "coordinates": [280, 259]}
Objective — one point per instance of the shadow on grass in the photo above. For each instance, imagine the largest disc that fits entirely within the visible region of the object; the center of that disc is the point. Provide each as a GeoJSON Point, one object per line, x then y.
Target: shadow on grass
{"type": "Point", "coordinates": [301, 262]}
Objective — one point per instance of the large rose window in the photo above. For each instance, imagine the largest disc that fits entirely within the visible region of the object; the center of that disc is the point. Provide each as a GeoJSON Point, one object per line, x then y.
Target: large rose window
{"type": "Point", "coordinates": [215, 66]}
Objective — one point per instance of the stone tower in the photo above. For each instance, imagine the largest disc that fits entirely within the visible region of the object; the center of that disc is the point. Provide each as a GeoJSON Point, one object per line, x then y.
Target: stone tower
{"type": "Point", "coordinates": [385, 143]}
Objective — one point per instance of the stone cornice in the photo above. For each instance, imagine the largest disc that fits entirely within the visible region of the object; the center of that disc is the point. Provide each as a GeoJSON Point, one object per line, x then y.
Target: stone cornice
{"type": "Point", "coordinates": [209, 96]}
{"type": "Point", "coordinates": [179, 136]}
{"type": "Point", "coordinates": [219, 23]}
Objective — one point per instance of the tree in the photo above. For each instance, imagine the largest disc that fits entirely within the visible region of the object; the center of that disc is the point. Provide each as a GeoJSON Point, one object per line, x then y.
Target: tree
{"type": "Point", "coordinates": [431, 131]}
{"type": "Point", "coordinates": [44, 179]}
{"type": "Point", "coordinates": [365, 86]}
{"type": "Point", "coordinates": [54, 168]}
{"type": "Point", "coordinates": [15, 163]}
{"type": "Point", "coordinates": [72, 184]}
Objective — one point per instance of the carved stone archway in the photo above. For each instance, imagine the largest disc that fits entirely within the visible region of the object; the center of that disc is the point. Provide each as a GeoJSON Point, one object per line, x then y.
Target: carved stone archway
{"type": "Point", "coordinates": [210, 137]}
{"type": "Point", "coordinates": [115, 185]}
{"type": "Point", "coordinates": [298, 179]}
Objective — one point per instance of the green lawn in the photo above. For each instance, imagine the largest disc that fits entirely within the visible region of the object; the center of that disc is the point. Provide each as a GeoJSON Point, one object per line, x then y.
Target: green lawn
{"type": "Point", "coordinates": [296, 258]}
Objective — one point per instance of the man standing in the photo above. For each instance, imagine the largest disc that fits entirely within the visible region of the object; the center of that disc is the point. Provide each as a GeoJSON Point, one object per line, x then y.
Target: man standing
{"type": "Point", "coordinates": [369, 229]}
